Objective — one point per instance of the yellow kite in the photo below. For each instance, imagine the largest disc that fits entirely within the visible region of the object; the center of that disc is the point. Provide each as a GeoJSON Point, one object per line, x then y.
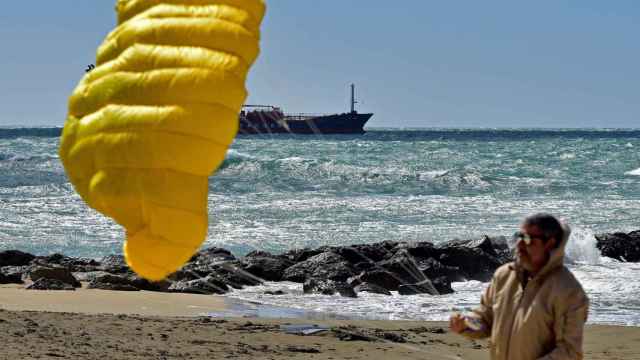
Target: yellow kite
{"type": "Point", "coordinates": [154, 119]}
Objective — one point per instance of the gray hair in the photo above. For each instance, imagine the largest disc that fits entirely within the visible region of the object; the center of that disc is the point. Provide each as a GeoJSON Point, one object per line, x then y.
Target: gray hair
{"type": "Point", "coordinates": [548, 224]}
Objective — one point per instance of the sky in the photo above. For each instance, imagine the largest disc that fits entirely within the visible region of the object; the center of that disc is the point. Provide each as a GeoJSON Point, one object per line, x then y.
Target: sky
{"type": "Point", "coordinates": [415, 63]}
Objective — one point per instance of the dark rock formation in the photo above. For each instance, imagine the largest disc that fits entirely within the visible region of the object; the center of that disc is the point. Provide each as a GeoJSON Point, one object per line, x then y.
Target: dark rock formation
{"type": "Point", "coordinates": [380, 277]}
{"type": "Point", "coordinates": [423, 287]}
{"type": "Point", "coordinates": [265, 266]}
{"type": "Point", "coordinates": [114, 264]}
{"type": "Point", "coordinates": [371, 288]}
{"type": "Point", "coordinates": [328, 287]}
{"type": "Point", "coordinates": [363, 253]}
{"type": "Point", "coordinates": [442, 284]}
{"type": "Point", "coordinates": [231, 273]}
{"type": "Point", "coordinates": [49, 284]}
{"type": "Point", "coordinates": [327, 265]}
{"type": "Point", "coordinates": [12, 274]}
{"type": "Point", "coordinates": [211, 256]}
{"type": "Point", "coordinates": [478, 259]}
{"type": "Point", "coordinates": [299, 255]}
{"type": "Point", "coordinates": [276, 292]}
{"type": "Point", "coordinates": [54, 273]}
{"type": "Point", "coordinates": [108, 281]}
{"type": "Point", "coordinates": [620, 246]}
{"type": "Point", "coordinates": [144, 284]}
{"type": "Point", "coordinates": [433, 268]}
{"type": "Point", "coordinates": [15, 258]}
{"type": "Point", "coordinates": [73, 264]}
{"type": "Point", "coordinates": [404, 267]}
{"type": "Point", "coordinates": [207, 286]}
{"type": "Point", "coordinates": [88, 276]}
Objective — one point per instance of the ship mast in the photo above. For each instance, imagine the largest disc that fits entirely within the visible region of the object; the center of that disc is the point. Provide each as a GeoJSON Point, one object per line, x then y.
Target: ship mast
{"type": "Point", "coordinates": [353, 99]}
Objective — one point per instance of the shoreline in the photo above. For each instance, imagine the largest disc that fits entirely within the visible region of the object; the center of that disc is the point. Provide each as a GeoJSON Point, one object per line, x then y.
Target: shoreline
{"type": "Point", "coordinates": [86, 301]}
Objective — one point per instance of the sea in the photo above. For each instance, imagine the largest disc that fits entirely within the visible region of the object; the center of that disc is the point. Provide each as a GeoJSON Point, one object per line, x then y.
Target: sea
{"type": "Point", "coordinates": [280, 192]}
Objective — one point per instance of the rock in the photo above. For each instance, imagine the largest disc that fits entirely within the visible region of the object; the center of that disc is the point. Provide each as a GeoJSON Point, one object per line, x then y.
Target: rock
{"type": "Point", "coordinates": [367, 253]}
{"type": "Point", "coordinates": [4, 279]}
{"type": "Point", "coordinates": [54, 273]}
{"type": "Point", "coordinates": [379, 277]}
{"type": "Point", "coordinates": [123, 282]}
{"type": "Point", "coordinates": [265, 266]}
{"type": "Point", "coordinates": [423, 287]}
{"type": "Point", "coordinates": [108, 281]}
{"type": "Point", "coordinates": [276, 292]}
{"type": "Point", "coordinates": [144, 284]}
{"type": "Point", "coordinates": [74, 264]}
{"type": "Point", "coordinates": [12, 274]}
{"type": "Point", "coordinates": [114, 264]}
{"type": "Point", "coordinates": [371, 288]}
{"type": "Point", "coordinates": [259, 253]}
{"type": "Point", "coordinates": [207, 286]}
{"type": "Point", "coordinates": [442, 285]}
{"type": "Point", "coordinates": [231, 273]}
{"type": "Point", "coordinates": [88, 276]}
{"type": "Point", "coordinates": [433, 268]}
{"type": "Point", "coordinates": [49, 284]}
{"type": "Point", "coordinates": [501, 246]}
{"type": "Point", "coordinates": [328, 265]}
{"type": "Point", "coordinates": [299, 255]}
{"type": "Point", "coordinates": [422, 249]}
{"type": "Point", "coordinates": [620, 246]}
{"type": "Point", "coordinates": [404, 267]}
{"type": "Point", "coordinates": [328, 287]}
{"type": "Point", "coordinates": [362, 266]}
{"type": "Point", "coordinates": [476, 258]}
{"type": "Point", "coordinates": [15, 258]}
{"type": "Point", "coordinates": [212, 256]}
{"type": "Point", "coordinates": [192, 271]}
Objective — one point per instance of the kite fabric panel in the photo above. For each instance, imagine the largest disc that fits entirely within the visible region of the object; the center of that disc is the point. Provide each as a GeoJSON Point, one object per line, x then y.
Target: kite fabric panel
{"type": "Point", "coordinates": [154, 119]}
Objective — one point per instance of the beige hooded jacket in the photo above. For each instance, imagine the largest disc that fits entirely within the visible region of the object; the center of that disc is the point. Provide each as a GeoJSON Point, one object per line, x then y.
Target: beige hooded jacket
{"type": "Point", "coordinates": [542, 318]}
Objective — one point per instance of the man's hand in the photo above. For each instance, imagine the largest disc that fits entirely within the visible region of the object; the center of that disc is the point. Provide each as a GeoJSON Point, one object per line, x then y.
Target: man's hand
{"type": "Point", "coordinates": [457, 324]}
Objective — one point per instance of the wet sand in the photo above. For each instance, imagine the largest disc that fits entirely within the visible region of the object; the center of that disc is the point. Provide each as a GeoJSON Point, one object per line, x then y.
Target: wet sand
{"type": "Point", "coordinates": [97, 324]}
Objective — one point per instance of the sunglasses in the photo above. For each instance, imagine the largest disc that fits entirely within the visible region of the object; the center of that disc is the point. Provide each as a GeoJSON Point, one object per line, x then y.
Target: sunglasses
{"type": "Point", "coordinates": [526, 238]}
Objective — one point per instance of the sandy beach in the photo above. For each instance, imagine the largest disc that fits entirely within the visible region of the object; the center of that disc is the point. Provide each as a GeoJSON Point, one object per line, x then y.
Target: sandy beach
{"type": "Point", "coordinates": [98, 324]}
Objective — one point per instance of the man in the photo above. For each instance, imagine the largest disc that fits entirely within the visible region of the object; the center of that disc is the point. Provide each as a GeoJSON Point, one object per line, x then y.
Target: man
{"type": "Point", "coordinates": [534, 308]}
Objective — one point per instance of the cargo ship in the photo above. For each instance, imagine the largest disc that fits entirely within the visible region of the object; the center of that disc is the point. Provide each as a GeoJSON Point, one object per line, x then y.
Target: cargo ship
{"type": "Point", "coordinates": [268, 119]}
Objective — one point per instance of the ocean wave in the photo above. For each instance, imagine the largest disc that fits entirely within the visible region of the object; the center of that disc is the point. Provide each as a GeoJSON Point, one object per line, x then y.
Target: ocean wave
{"type": "Point", "coordinates": [28, 158]}
{"type": "Point", "coordinates": [635, 172]}
{"type": "Point", "coordinates": [302, 173]}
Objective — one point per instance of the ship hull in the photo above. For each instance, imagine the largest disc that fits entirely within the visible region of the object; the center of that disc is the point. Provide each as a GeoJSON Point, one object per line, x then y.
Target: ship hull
{"type": "Point", "coordinates": [347, 123]}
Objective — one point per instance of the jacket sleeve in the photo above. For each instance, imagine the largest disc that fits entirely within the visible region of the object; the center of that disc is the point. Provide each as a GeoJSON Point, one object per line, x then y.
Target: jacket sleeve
{"type": "Point", "coordinates": [568, 327]}
{"type": "Point", "coordinates": [483, 313]}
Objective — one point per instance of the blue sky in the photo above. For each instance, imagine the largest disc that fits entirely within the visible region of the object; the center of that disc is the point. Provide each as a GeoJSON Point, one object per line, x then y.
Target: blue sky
{"type": "Point", "coordinates": [415, 63]}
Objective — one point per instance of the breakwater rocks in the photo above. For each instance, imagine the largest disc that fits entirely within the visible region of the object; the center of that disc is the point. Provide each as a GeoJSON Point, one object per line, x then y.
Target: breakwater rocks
{"type": "Point", "coordinates": [408, 268]}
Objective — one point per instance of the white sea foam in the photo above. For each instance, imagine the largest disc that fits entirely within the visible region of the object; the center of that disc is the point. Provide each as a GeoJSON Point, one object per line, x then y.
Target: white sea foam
{"type": "Point", "coordinates": [581, 247]}
{"type": "Point", "coordinates": [611, 286]}
{"type": "Point", "coordinates": [635, 172]}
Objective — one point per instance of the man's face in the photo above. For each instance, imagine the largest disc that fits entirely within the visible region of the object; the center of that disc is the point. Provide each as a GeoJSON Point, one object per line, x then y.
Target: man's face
{"type": "Point", "coordinates": [534, 256]}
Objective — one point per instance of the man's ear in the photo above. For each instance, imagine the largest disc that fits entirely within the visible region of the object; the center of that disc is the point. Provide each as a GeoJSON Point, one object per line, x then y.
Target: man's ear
{"type": "Point", "coordinates": [550, 245]}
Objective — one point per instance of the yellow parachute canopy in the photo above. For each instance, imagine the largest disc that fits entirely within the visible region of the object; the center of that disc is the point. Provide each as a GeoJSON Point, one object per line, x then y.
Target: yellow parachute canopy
{"type": "Point", "coordinates": [154, 119]}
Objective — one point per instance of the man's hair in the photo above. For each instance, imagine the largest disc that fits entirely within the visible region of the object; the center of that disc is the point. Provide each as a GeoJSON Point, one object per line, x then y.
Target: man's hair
{"type": "Point", "coordinates": [548, 224]}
